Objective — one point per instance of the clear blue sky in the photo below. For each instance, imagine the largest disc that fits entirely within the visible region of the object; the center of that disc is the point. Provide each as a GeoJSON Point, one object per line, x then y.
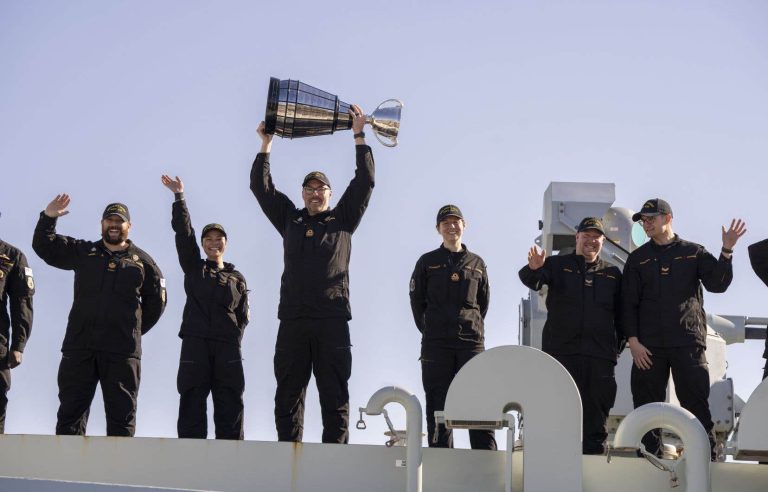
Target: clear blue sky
{"type": "Point", "coordinates": [99, 98]}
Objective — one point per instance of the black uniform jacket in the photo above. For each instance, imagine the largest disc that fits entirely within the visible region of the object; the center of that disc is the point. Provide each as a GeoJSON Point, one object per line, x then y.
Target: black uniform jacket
{"type": "Point", "coordinates": [16, 289]}
{"type": "Point", "coordinates": [316, 249]}
{"type": "Point", "coordinates": [758, 257]}
{"type": "Point", "coordinates": [583, 305]}
{"type": "Point", "coordinates": [217, 300]}
{"type": "Point", "coordinates": [449, 298]}
{"type": "Point", "coordinates": [663, 302]}
{"type": "Point", "coordinates": [118, 296]}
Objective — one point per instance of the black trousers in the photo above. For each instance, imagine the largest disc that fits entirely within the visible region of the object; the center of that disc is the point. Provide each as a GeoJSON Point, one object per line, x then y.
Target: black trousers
{"type": "Point", "coordinates": [439, 365]}
{"type": "Point", "coordinates": [216, 368]}
{"type": "Point", "coordinates": [690, 372]}
{"type": "Point", "coordinates": [79, 372]}
{"type": "Point", "coordinates": [304, 347]}
{"type": "Point", "coordinates": [5, 385]}
{"type": "Point", "coordinates": [596, 381]}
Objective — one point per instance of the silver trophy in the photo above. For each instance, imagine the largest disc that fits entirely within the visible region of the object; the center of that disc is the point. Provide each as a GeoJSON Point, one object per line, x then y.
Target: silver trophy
{"type": "Point", "coordinates": [295, 109]}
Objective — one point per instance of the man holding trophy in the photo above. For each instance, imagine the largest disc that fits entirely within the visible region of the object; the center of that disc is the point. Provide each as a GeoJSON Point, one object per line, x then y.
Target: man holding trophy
{"type": "Point", "coordinates": [314, 309]}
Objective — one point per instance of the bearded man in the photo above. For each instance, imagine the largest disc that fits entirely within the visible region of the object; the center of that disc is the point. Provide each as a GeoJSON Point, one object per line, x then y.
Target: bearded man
{"type": "Point", "coordinates": [119, 295]}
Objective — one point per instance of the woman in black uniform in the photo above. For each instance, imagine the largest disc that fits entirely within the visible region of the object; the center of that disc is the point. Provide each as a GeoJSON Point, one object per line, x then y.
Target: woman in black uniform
{"type": "Point", "coordinates": [215, 315]}
{"type": "Point", "coordinates": [449, 299]}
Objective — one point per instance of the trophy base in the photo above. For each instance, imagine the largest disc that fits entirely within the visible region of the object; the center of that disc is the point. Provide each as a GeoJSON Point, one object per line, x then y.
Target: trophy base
{"type": "Point", "coordinates": [273, 94]}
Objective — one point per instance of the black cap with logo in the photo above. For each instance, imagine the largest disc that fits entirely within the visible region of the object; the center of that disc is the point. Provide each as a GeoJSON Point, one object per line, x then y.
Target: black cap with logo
{"type": "Point", "coordinates": [654, 206]}
{"type": "Point", "coordinates": [318, 175]}
{"type": "Point", "coordinates": [591, 223]}
{"type": "Point", "coordinates": [213, 227]}
{"type": "Point", "coordinates": [448, 211]}
{"type": "Point", "coordinates": [118, 209]}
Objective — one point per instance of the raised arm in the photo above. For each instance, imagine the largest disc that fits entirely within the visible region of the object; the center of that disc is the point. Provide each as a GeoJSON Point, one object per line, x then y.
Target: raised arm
{"type": "Point", "coordinates": [354, 201]}
{"type": "Point", "coordinates": [56, 250]}
{"type": "Point", "coordinates": [537, 272]}
{"type": "Point", "coordinates": [186, 243]}
{"type": "Point", "coordinates": [716, 274]}
{"type": "Point", "coordinates": [274, 203]}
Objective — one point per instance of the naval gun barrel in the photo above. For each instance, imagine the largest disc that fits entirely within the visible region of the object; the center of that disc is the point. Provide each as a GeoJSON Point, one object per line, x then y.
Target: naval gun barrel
{"type": "Point", "coordinates": [736, 329]}
{"type": "Point", "coordinates": [755, 328]}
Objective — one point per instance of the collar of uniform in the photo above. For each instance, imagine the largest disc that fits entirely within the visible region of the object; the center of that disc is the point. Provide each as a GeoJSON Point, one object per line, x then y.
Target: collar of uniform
{"type": "Point", "coordinates": [661, 247]}
{"type": "Point", "coordinates": [129, 250]}
{"type": "Point", "coordinates": [314, 218]}
{"type": "Point", "coordinates": [463, 251]}
{"type": "Point", "coordinates": [581, 261]}
{"type": "Point", "coordinates": [228, 267]}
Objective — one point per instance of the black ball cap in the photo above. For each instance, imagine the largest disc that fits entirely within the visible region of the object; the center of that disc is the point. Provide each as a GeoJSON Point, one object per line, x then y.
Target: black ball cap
{"type": "Point", "coordinates": [591, 223]}
{"type": "Point", "coordinates": [318, 175]}
{"type": "Point", "coordinates": [213, 227]}
{"type": "Point", "coordinates": [654, 206]}
{"type": "Point", "coordinates": [448, 211]}
{"type": "Point", "coordinates": [118, 209]}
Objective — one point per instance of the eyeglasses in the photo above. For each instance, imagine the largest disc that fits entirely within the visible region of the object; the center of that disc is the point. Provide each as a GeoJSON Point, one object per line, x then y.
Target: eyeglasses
{"type": "Point", "coordinates": [647, 219]}
{"type": "Point", "coordinates": [311, 191]}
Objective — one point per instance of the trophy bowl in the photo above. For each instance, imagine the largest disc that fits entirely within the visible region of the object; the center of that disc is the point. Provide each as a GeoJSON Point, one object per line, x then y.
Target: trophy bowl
{"type": "Point", "coordinates": [296, 110]}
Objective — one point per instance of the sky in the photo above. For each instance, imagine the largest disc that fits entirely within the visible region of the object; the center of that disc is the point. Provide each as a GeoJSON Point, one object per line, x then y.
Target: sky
{"type": "Point", "coordinates": [98, 99]}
